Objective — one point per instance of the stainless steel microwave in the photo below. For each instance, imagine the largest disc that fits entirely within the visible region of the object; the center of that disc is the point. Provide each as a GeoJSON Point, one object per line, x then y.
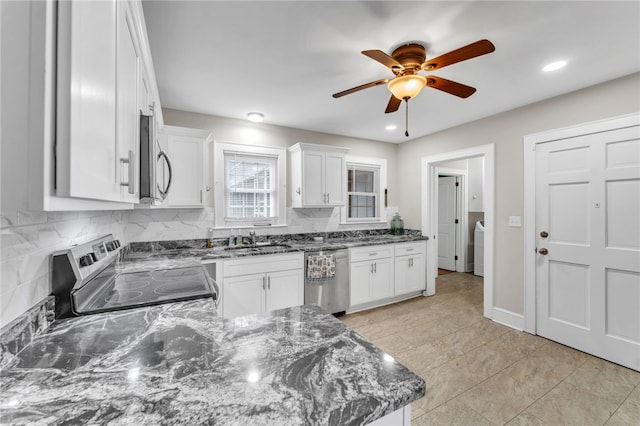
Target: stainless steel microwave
{"type": "Point", "coordinates": [155, 167]}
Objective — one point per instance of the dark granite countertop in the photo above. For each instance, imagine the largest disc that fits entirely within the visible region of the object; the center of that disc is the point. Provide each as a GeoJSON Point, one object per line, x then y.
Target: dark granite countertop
{"type": "Point", "coordinates": [167, 252]}
{"type": "Point", "coordinates": [180, 363]}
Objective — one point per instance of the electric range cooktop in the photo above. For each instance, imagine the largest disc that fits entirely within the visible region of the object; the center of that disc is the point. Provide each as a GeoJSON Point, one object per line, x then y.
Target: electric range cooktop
{"type": "Point", "coordinates": [144, 288]}
{"type": "Point", "coordinates": [85, 280]}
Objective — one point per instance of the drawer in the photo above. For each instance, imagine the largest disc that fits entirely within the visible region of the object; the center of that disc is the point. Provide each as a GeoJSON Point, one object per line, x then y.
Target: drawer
{"type": "Point", "coordinates": [359, 254]}
{"type": "Point", "coordinates": [403, 249]}
{"type": "Point", "coordinates": [264, 263]}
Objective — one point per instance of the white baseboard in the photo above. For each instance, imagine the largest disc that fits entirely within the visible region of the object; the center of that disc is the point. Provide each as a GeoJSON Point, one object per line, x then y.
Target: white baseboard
{"type": "Point", "coordinates": [508, 318]}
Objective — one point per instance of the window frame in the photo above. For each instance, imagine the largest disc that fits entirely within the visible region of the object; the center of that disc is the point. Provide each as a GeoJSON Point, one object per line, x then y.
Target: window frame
{"type": "Point", "coordinates": [220, 189]}
{"type": "Point", "coordinates": [369, 164]}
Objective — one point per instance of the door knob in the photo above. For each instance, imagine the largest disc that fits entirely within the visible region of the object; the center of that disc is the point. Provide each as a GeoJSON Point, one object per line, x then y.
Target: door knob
{"type": "Point", "coordinates": [543, 251]}
{"type": "Point", "coordinates": [544, 234]}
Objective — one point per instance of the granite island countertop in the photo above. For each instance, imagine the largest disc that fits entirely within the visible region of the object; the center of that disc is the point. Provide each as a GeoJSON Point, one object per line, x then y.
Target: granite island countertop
{"type": "Point", "coordinates": [180, 363]}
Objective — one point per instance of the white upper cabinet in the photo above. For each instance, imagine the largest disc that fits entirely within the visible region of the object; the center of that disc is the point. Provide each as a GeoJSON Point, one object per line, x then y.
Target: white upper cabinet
{"type": "Point", "coordinates": [91, 70]}
{"type": "Point", "coordinates": [128, 103]}
{"type": "Point", "coordinates": [186, 149]}
{"type": "Point", "coordinates": [318, 175]}
{"type": "Point", "coordinates": [88, 160]}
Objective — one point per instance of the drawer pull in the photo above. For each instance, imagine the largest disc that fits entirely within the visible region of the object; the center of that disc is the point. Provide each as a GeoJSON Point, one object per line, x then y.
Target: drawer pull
{"type": "Point", "coordinates": [373, 254]}
{"type": "Point", "coordinates": [410, 249]}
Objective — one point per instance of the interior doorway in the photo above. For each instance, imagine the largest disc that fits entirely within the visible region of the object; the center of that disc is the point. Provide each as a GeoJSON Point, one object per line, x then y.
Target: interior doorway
{"type": "Point", "coordinates": [430, 205]}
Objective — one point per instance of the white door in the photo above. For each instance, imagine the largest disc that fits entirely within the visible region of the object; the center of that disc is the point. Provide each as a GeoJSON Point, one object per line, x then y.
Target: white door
{"type": "Point", "coordinates": [313, 193]}
{"type": "Point", "coordinates": [335, 179]}
{"type": "Point", "coordinates": [187, 158]}
{"type": "Point", "coordinates": [446, 223]}
{"type": "Point", "coordinates": [284, 289]}
{"type": "Point", "coordinates": [588, 243]}
{"type": "Point", "coordinates": [243, 295]}
{"type": "Point", "coordinates": [360, 282]}
{"type": "Point", "coordinates": [382, 279]}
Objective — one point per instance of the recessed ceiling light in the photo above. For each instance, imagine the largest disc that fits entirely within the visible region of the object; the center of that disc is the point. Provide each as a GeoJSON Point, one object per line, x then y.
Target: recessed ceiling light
{"type": "Point", "coordinates": [256, 117]}
{"type": "Point", "coordinates": [554, 66]}
{"type": "Point", "coordinates": [391, 127]}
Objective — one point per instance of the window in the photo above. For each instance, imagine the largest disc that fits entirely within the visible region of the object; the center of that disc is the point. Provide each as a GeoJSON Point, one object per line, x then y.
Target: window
{"type": "Point", "coordinates": [250, 185]}
{"type": "Point", "coordinates": [361, 193]}
{"type": "Point", "coordinates": [250, 188]}
{"type": "Point", "coordinates": [366, 180]}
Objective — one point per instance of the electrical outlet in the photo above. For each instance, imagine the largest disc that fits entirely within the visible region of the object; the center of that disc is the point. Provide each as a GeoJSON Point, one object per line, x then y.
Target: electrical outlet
{"type": "Point", "coordinates": [514, 221]}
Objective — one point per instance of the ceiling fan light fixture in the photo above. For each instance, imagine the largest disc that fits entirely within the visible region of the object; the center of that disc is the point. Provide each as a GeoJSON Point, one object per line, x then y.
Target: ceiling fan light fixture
{"type": "Point", "coordinates": [256, 117]}
{"type": "Point", "coordinates": [406, 86]}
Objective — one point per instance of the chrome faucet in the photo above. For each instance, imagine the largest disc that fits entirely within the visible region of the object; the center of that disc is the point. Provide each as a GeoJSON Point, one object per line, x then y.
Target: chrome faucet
{"type": "Point", "coordinates": [252, 238]}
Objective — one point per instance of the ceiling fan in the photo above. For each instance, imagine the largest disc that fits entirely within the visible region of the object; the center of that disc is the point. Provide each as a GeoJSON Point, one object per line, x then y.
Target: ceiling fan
{"type": "Point", "coordinates": [408, 60]}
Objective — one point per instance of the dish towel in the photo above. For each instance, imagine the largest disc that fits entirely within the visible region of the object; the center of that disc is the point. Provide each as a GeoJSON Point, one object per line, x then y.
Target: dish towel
{"type": "Point", "coordinates": [321, 267]}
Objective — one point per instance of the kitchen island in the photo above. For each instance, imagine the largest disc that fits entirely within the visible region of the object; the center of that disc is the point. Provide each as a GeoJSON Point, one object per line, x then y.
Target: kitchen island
{"type": "Point", "coordinates": [180, 363]}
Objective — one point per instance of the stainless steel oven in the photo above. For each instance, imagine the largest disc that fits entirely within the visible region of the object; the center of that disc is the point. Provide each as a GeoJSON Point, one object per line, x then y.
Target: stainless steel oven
{"type": "Point", "coordinates": [86, 279]}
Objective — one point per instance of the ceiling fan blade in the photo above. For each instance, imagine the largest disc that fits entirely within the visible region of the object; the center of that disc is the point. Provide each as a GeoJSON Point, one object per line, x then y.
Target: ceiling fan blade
{"type": "Point", "coordinates": [479, 48]}
{"type": "Point", "coordinates": [457, 89]}
{"type": "Point", "coordinates": [357, 88]}
{"type": "Point", "coordinates": [383, 58]}
{"type": "Point", "coordinates": [393, 105]}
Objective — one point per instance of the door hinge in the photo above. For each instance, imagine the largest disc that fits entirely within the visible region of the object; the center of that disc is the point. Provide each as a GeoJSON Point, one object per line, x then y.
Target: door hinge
{"type": "Point", "coordinates": [457, 221]}
{"type": "Point", "coordinates": [455, 257]}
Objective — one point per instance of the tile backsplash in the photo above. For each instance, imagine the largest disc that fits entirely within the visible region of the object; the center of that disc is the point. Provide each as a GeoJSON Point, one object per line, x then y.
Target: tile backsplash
{"type": "Point", "coordinates": [27, 240]}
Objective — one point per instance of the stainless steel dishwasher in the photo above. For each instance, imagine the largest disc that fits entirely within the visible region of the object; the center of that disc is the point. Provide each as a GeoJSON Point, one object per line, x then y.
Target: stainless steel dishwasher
{"type": "Point", "coordinates": [331, 293]}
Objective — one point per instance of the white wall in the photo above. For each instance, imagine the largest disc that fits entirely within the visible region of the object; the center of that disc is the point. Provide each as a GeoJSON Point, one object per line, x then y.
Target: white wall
{"type": "Point", "coordinates": [506, 131]}
{"type": "Point", "coordinates": [243, 131]}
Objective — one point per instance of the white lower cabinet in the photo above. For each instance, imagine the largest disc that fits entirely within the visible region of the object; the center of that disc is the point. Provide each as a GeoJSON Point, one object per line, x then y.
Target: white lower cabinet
{"type": "Point", "coordinates": [258, 284]}
{"type": "Point", "coordinates": [410, 270]}
{"type": "Point", "coordinates": [385, 273]}
{"type": "Point", "coordinates": [371, 273]}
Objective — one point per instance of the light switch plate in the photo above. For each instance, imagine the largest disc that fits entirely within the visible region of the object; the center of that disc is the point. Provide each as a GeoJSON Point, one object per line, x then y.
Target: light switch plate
{"type": "Point", "coordinates": [514, 221]}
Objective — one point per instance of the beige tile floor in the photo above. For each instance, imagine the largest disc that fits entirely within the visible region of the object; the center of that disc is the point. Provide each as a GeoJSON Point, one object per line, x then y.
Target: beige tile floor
{"type": "Point", "coordinates": [482, 373]}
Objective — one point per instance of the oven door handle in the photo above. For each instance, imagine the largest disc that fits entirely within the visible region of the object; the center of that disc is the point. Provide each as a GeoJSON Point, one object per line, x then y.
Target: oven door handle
{"type": "Point", "coordinates": [216, 289]}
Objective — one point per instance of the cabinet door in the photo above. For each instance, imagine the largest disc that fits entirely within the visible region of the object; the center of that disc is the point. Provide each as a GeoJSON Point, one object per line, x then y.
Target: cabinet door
{"type": "Point", "coordinates": [187, 156]}
{"type": "Point", "coordinates": [402, 275]}
{"type": "Point", "coordinates": [417, 277]}
{"type": "Point", "coordinates": [284, 289]}
{"type": "Point", "coordinates": [243, 295]}
{"type": "Point", "coordinates": [409, 274]}
{"type": "Point", "coordinates": [382, 279]}
{"type": "Point", "coordinates": [313, 193]}
{"type": "Point", "coordinates": [360, 282]}
{"type": "Point", "coordinates": [335, 180]}
{"type": "Point", "coordinates": [87, 152]}
{"type": "Point", "coordinates": [128, 123]}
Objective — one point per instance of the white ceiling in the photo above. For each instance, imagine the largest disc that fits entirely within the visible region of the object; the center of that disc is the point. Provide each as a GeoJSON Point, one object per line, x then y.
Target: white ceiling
{"type": "Point", "coordinates": [286, 59]}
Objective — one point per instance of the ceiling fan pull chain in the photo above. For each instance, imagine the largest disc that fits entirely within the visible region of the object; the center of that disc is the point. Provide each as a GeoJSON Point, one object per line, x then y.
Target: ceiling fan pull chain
{"type": "Point", "coordinates": [406, 117]}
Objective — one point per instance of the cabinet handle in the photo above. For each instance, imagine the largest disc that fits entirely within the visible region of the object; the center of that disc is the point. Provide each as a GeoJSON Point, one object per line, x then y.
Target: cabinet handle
{"type": "Point", "coordinates": [411, 262]}
{"type": "Point", "coordinates": [410, 249]}
{"type": "Point", "coordinates": [373, 254]}
{"type": "Point", "coordinates": [264, 285]}
{"type": "Point", "coordinates": [328, 198]}
{"type": "Point", "coordinates": [371, 268]}
{"type": "Point", "coordinates": [375, 268]}
{"type": "Point", "coordinates": [131, 183]}
{"type": "Point", "coordinates": [269, 282]}
{"type": "Point", "coordinates": [201, 196]}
